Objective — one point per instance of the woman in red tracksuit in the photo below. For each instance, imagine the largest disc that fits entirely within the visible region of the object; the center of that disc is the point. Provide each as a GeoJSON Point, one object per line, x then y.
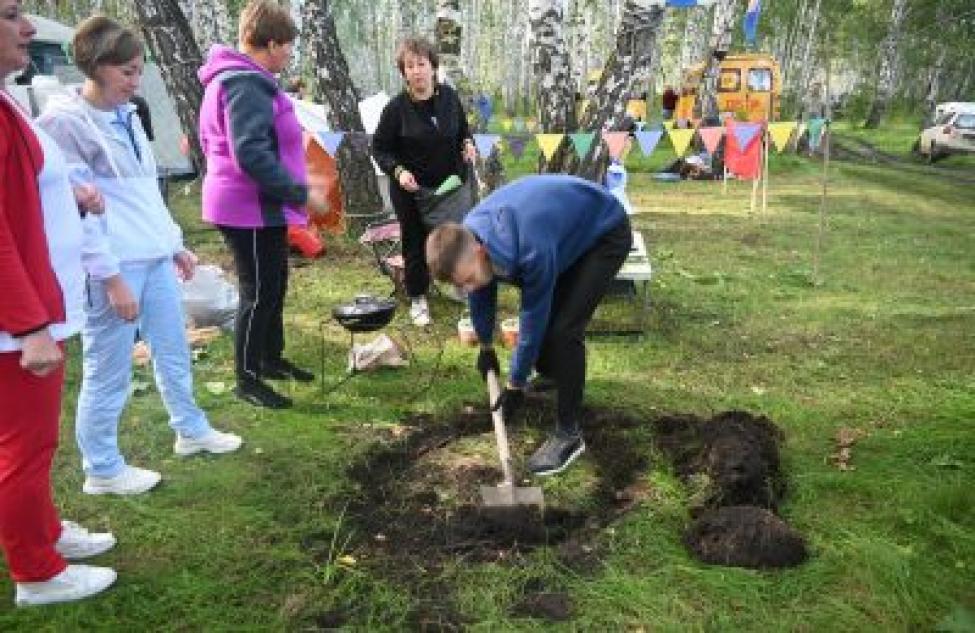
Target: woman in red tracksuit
{"type": "Point", "coordinates": [41, 241]}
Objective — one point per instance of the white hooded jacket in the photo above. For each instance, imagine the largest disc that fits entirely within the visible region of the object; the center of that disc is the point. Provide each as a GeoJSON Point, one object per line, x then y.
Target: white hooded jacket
{"type": "Point", "coordinates": [136, 225]}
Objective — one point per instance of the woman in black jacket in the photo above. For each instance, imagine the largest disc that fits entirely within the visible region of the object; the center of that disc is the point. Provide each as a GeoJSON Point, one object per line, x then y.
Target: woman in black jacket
{"type": "Point", "coordinates": [422, 139]}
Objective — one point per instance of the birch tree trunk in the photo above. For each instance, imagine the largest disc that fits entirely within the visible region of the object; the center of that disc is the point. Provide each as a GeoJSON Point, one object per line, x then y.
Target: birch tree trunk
{"type": "Point", "coordinates": [334, 87]}
{"type": "Point", "coordinates": [695, 38]}
{"type": "Point", "coordinates": [889, 52]}
{"type": "Point", "coordinates": [552, 71]}
{"type": "Point", "coordinates": [170, 39]}
{"type": "Point", "coordinates": [448, 33]}
{"type": "Point", "coordinates": [635, 43]}
{"type": "Point", "coordinates": [718, 44]}
{"type": "Point", "coordinates": [806, 63]}
{"type": "Point", "coordinates": [934, 80]}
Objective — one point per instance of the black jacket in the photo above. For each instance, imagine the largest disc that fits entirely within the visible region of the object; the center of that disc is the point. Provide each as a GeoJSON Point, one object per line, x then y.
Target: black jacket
{"type": "Point", "coordinates": [406, 137]}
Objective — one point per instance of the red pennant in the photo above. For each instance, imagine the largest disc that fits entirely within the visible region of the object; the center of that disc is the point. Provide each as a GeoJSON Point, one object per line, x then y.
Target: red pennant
{"type": "Point", "coordinates": [745, 163]}
{"type": "Point", "coordinates": [711, 136]}
{"type": "Point", "coordinates": [615, 142]}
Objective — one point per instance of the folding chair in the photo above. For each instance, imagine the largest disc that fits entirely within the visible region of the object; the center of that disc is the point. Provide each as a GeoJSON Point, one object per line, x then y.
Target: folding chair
{"type": "Point", "coordinates": [383, 239]}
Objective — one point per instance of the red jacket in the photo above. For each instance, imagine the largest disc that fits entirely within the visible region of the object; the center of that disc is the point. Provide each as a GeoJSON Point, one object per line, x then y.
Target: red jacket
{"type": "Point", "coordinates": [30, 296]}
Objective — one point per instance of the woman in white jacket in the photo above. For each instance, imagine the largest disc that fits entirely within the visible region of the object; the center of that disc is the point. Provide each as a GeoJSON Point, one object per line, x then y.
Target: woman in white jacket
{"type": "Point", "coordinates": [132, 282]}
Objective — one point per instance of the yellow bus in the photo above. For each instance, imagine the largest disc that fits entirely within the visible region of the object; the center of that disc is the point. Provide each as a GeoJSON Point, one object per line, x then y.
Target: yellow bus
{"type": "Point", "coordinates": [749, 86]}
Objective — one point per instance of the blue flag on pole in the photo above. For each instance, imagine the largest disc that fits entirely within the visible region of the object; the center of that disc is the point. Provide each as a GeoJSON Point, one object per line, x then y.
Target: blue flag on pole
{"type": "Point", "coordinates": [750, 22]}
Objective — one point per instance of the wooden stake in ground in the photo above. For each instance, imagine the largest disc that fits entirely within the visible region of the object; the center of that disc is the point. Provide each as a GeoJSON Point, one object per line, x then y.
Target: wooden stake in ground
{"type": "Point", "coordinates": [822, 202]}
{"type": "Point", "coordinates": [768, 140]}
{"type": "Point", "coordinates": [754, 193]}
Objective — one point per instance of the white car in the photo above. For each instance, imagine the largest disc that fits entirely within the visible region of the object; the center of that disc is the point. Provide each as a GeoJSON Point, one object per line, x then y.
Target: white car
{"type": "Point", "coordinates": [953, 132]}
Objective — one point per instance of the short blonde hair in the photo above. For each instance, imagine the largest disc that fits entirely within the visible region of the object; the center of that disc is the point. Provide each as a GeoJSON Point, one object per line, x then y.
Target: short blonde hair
{"type": "Point", "coordinates": [265, 21]}
{"type": "Point", "coordinates": [448, 245]}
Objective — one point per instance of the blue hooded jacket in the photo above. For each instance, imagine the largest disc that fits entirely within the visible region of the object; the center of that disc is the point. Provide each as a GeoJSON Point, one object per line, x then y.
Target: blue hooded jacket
{"type": "Point", "coordinates": [534, 229]}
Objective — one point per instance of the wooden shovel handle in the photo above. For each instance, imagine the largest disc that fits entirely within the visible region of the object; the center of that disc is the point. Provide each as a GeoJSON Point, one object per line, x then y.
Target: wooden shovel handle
{"type": "Point", "coordinates": [500, 434]}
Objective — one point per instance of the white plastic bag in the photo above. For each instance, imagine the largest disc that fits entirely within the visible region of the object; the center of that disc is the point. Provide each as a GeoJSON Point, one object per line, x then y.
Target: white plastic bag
{"type": "Point", "coordinates": [209, 299]}
{"type": "Point", "coordinates": [382, 351]}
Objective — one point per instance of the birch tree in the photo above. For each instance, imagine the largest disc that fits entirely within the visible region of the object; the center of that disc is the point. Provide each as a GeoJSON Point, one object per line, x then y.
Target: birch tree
{"type": "Point", "coordinates": [889, 52]}
{"type": "Point", "coordinates": [718, 44]}
{"type": "Point", "coordinates": [550, 60]}
{"type": "Point", "coordinates": [695, 37]}
{"type": "Point", "coordinates": [360, 190]}
{"type": "Point", "coordinates": [635, 42]}
{"type": "Point", "coordinates": [447, 34]}
{"type": "Point", "coordinates": [171, 41]}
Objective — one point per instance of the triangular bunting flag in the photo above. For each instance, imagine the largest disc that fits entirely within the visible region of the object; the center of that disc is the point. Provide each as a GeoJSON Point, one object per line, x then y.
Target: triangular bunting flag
{"type": "Point", "coordinates": [615, 142]}
{"type": "Point", "coordinates": [582, 142]}
{"type": "Point", "coordinates": [781, 133]}
{"type": "Point", "coordinates": [506, 124]}
{"type": "Point", "coordinates": [519, 125]}
{"type": "Point", "coordinates": [680, 139]}
{"type": "Point", "coordinates": [548, 143]}
{"type": "Point", "coordinates": [745, 133]}
{"type": "Point", "coordinates": [485, 143]}
{"type": "Point", "coordinates": [648, 140]}
{"type": "Point", "coordinates": [516, 143]}
{"type": "Point", "coordinates": [531, 125]}
{"type": "Point", "coordinates": [670, 123]}
{"type": "Point", "coordinates": [330, 141]}
{"type": "Point", "coordinates": [711, 136]}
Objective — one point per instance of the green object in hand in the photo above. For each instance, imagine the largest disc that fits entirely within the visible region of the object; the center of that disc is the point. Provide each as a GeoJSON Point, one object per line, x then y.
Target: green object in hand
{"type": "Point", "coordinates": [452, 182]}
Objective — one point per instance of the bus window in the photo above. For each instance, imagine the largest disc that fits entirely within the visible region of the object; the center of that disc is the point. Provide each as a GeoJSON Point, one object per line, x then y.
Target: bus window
{"type": "Point", "coordinates": [729, 80]}
{"type": "Point", "coordinates": [759, 80]}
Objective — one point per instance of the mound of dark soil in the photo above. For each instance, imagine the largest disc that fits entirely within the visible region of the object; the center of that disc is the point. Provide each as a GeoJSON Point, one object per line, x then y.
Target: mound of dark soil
{"type": "Point", "coordinates": [745, 536]}
{"type": "Point", "coordinates": [734, 456]}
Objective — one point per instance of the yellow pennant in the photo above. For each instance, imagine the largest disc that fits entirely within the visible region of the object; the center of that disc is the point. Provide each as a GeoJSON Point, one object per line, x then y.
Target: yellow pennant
{"type": "Point", "coordinates": [670, 123]}
{"type": "Point", "coordinates": [781, 133]}
{"type": "Point", "coordinates": [680, 139]}
{"type": "Point", "coordinates": [549, 143]}
{"type": "Point", "coordinates": [506, 124]}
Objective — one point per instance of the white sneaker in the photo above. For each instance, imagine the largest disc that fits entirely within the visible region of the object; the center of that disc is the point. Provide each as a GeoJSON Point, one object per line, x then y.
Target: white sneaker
{"type": "Point", "coordinates": [131, 481]}
{"type": "Point", "coordinates": [420, 312]}
{"type": "Point", "coordinates": [213, 442]}
{"type": "Point", "coordinates": [74, 583]}
{"type": "Point", "coordinates": [76, 542]}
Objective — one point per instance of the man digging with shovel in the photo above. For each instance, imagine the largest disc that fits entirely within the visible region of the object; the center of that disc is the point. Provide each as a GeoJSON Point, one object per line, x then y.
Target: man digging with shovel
{"type": "Point", "coordinates": [560, 240]}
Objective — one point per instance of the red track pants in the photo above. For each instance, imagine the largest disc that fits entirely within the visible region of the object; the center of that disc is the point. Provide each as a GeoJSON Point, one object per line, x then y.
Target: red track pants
{"type": "Point", "coordinates": [29, 524]}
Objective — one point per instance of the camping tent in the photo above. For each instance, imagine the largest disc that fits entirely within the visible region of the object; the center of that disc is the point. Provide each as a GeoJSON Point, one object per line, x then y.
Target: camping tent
{"type": "Point", "coordinates": [52, 71]}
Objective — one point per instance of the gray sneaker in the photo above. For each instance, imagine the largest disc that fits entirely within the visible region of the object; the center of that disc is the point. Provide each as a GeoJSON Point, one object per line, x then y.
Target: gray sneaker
{"type": "Point", "coordinates": [556, 454]}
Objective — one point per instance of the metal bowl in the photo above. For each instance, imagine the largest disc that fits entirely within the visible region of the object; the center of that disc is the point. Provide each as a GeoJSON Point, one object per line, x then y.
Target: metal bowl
{"type": "Point", "coordinates": [365, 313]}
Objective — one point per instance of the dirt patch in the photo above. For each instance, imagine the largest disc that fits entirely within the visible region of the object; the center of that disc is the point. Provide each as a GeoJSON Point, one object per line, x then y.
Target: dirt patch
{"type": "Point", "coordinates": [730, 459]}
{"type": "Point", "coordinates": [414, 509]}
{"type": "Point", "coordinates": [731, 463]}
{"type": "Point", "coordinates": [745, 536]}
{"type": "Point", "coordinates": [544, 605]}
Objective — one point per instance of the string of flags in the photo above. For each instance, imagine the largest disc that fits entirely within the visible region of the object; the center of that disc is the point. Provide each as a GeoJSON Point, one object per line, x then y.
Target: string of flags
{"type": "Point", "coordinates": [739, 135]}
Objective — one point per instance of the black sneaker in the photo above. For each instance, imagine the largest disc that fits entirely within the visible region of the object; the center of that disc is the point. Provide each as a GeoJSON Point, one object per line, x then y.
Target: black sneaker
{"type": "Point", "coordinates": [556, 454]}
{"type": "Point", "coordinates": [283, 369]}
{"type": "Point", "coordinates": [259, 394]}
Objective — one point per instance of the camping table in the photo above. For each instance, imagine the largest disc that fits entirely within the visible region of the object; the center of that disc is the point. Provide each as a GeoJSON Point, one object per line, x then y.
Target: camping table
{"type": "Point", "coordinates": [635, 273]}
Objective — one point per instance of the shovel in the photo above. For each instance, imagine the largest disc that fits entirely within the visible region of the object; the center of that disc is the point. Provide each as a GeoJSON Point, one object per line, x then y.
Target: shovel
{"type": "Point", "coordinates": [506, 494]}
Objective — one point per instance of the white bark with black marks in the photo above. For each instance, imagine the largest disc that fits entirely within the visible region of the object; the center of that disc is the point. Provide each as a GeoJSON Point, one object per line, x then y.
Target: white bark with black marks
{"type": "Point", "coordinates": [170, 38]}
{"type": "Point", "coordinates": [886, 72]}
{"type": "Point", "coordinates": [334, 87]}
{"type": "Point", "coordinates": [718, 44]}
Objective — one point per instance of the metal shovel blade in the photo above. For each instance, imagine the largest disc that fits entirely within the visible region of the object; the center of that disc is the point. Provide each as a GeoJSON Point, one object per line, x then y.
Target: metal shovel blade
{"type": "Point", "coordinates": [504, 495]}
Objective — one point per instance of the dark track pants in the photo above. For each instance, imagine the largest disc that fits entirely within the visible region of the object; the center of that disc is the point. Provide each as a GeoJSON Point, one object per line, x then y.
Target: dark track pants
{"type": "Point", "coordinates": [261, 259]}
{"type": "Point", "coordinates": [413, 234]}
{"type": "Point", "coordinates": [578, 291]}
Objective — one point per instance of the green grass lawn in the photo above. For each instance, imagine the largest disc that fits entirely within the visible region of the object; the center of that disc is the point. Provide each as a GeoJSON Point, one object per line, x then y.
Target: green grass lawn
{"type": "Point", "coordinates": [884, 343]}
